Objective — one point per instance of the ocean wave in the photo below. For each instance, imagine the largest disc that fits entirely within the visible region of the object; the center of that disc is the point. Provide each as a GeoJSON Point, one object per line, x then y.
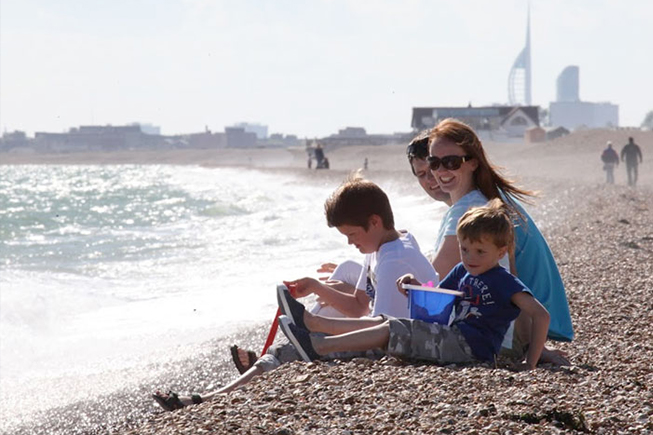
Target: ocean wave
{"type": "Point", "coordinates": [223, 209]}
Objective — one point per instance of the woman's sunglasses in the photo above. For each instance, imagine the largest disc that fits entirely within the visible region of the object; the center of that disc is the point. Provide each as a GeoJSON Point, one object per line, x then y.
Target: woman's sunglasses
{"type": "Point", "coordinates": [448, 162]}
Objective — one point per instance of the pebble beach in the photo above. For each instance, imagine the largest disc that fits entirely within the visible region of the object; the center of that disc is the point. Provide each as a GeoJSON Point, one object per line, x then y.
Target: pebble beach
{"type": "Point", "coordinates": [602, 238]}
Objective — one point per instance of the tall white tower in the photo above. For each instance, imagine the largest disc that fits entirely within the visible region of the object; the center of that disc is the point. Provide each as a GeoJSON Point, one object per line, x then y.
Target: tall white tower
{"type": "Point", "coordinates": [519, 80]}
{"type": "Point", "coordinates": [567, 85]}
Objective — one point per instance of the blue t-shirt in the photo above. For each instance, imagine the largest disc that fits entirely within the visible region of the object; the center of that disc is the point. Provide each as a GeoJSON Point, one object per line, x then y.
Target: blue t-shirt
{"type": "Point", "coordinates": [485, 311]}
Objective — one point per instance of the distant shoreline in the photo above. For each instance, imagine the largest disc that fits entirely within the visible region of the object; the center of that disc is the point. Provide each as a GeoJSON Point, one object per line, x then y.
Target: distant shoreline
{"type": "Point", "coordinates": [217, 157]}
{"type": "Point", "coordinates": [574, 157]}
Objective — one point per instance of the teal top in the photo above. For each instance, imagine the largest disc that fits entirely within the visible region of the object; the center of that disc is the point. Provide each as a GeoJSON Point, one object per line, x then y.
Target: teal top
{"type": "Point", "coordinates": [537, 268]}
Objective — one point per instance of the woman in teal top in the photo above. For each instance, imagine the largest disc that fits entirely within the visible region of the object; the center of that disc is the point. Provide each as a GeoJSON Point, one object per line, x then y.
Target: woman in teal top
{"type": "Point", "coordinates": [458, 163]}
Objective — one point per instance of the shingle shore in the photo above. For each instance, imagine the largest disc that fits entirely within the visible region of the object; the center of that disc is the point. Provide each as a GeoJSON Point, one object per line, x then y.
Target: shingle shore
{"type": "Point", "coordinates": [603, 241]}
{"type": "Point", "coordinates": [602, 238]}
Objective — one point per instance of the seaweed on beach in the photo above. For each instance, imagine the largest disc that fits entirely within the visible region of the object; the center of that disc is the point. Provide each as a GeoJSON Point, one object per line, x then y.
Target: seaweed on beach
{"type": "Point", "coordinates": [564, 419]}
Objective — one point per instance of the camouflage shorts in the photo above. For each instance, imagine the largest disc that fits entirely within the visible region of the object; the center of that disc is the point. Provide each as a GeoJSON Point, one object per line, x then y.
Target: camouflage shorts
{"type": "Point", "coordinates": [414, 339]}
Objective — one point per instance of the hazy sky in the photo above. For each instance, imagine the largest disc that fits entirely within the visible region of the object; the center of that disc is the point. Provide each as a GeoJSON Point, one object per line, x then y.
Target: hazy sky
{"type": "Point", "coordinates": [306, 67]}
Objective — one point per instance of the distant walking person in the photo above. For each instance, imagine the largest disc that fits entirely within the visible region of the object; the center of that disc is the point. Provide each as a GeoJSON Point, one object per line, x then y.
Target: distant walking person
{"type": "Point", "coordinates": [365, 164]}
{"type": "Point", "coordinates": [630, 154]}
{"type": "Point", "coordinates": [610, 159]}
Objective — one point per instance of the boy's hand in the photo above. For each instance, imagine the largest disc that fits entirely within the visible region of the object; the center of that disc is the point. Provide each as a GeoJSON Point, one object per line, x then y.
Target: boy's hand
{"type": "Point", "coordinates": [326, 268]}
{"type": "Point", "coordinates": [554, 356]}
{"type": "Point", "coordinates": [301, 287]}
{"type": "Point", "coordinates": [540, 325]}
{"type": "Point", "coordinates": [406, 279]}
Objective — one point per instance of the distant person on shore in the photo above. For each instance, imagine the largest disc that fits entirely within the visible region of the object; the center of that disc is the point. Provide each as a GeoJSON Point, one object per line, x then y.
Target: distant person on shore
{"type": "Point", "coordinates": [361, 211]}
{"type": "Point", "coordinates": [492, 298]}
{"type": "Point", "coordinates": [318, 152]}
{"type": "Point", "coordinates": [365, 162]}
{"type": "Point", "coordinates": [310, 161]}
{"type": "Point", "coordinates": [610, 159]}
{"type": "Point", "coordinates": [632, 155]}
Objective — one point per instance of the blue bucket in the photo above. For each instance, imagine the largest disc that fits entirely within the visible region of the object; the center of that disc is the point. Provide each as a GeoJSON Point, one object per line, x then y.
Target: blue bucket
{"type": "Point", "coordinates": [431, 306]}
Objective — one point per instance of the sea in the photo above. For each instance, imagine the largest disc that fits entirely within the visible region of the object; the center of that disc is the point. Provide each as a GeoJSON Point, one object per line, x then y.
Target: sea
{"type": "Point", "coordinates": [105, 268]}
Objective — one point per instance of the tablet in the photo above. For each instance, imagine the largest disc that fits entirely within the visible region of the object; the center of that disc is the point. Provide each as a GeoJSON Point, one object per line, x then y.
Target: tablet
{"type": "Point", "coordinates": [432, 289]}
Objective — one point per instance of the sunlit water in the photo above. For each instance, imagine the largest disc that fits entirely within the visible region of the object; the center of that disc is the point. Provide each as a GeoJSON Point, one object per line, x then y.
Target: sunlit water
{"type": "Point", "coordinates": [103, 267]}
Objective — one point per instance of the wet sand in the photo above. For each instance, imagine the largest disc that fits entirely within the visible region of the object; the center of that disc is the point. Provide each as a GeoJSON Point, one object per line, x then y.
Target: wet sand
{"type": "Point", "coordinates": [602, 238]}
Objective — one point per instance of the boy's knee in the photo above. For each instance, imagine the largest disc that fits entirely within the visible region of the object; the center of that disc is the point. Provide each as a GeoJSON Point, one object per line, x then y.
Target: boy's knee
{"type": "Point", "coordinates": [278, 354]}
{"type": "Point", "coordinates": [267, 363]}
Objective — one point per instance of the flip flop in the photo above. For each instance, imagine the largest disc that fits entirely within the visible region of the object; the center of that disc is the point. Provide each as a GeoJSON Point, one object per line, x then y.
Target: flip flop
{"type": "Point", "coordinates": [251, 355]}
{"type": "Point", "coordinates": [171, 402]}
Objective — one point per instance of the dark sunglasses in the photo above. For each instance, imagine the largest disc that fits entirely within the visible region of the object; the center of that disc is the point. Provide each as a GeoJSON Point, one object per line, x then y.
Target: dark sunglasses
{"type": "Point", "coordinates": [448, 162]}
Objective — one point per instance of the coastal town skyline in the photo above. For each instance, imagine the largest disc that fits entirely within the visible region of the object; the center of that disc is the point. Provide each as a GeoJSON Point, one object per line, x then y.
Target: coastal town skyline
{"type": "Point", "coordinates": [191, 65]}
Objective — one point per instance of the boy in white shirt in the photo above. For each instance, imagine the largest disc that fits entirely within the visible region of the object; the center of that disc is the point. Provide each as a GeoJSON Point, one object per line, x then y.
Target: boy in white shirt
{"type": "Point", "coordinates": [361, 211]}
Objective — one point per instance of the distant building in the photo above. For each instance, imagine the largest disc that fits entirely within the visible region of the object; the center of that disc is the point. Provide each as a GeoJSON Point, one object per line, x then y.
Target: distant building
{"type": "Point", "coordinates": [106, 138]}
{"type": "Point", "coordinates": [279, 140]}
{"type": "Point", "coordinates": [207, 140]}
{"type": "Point", "coordinates": [511, 120]}
{"type": "Point", "coordinates": [92, 138]}
{"type": "Point", "coordinates": [358, 136]}
{"type": "Point", "coordinates": [582, 114]}
{"type": "Point", "coordinates": [260, 130]}
{"type": "Point", "coordinates": [535, 135]}
{"type": "Point", "coordinates": [518, 121]}
{"type": "Point", "coordinates": [572, 113]}
{"type": "Point", "coordinates": [352, 132]}
{"type": "Point", "coordinates": [237, 137]}
{"type": "Point", "coordinates": [148, 128]}
{"type": "Point", "coordinates": [567, 85]}
{"type": "Point", "coordinates": [15, 140]}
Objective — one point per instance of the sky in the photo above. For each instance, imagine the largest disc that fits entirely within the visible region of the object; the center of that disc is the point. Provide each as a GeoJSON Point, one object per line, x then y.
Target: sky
{"type": "Point", "coordinates": [306, 67]}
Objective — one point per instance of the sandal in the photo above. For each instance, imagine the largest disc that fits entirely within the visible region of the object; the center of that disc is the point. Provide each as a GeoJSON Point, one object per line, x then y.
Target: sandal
{"type": "Point", "coordinates": [171, 401]}
{"type": "Point", "coordinates": [251, 355]}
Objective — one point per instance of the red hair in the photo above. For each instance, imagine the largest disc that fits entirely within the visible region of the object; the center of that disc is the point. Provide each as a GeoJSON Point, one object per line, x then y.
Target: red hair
{"type": "Point", "coordinates": [487, 177]}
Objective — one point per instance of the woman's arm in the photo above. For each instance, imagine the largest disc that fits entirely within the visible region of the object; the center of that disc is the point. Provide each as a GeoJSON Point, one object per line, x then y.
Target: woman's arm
{"type": "Point", "coordinates": [447, 257]}
{"type": "Point", "coordinates": [513, 262]}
